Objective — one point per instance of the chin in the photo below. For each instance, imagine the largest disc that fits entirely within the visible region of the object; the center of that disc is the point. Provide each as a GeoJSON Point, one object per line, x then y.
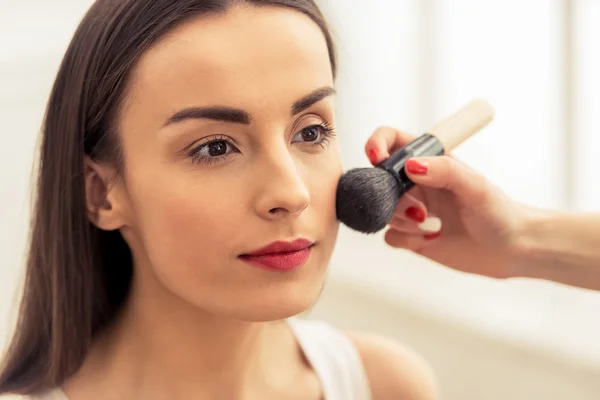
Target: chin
{"type": "Point", "coordinates": [279, 304]}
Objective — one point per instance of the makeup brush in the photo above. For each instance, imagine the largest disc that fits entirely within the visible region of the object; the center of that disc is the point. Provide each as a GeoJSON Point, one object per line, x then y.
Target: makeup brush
{"type": "Point", "coordinates": [366, 198]}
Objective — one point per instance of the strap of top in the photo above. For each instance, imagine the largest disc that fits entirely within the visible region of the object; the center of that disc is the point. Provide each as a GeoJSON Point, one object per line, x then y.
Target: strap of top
{"type": "Point", "coordinates": [335, 360]}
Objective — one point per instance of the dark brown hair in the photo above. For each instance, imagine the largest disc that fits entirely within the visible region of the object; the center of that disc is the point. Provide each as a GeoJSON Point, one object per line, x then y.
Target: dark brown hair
{"type": "Point", "coordinates": [77, 276]}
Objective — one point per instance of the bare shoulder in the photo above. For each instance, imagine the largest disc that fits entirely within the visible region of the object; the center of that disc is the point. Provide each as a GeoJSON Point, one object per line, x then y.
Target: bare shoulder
{"type": "Point", "coordinates": [394, 371]}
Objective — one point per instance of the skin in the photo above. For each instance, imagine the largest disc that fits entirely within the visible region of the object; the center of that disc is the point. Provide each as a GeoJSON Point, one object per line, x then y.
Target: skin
{"type": "Point", "coordinates": [201, 323]}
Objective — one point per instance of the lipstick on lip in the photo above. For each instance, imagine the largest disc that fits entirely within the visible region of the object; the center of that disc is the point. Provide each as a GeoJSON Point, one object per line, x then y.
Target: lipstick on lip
{"type": "Point", "coordinates": [280, 256]}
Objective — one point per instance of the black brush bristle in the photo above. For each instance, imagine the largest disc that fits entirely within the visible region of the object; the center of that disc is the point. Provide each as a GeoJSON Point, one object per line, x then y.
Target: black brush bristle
{"type": "Point", "coordinates": [366, 199]}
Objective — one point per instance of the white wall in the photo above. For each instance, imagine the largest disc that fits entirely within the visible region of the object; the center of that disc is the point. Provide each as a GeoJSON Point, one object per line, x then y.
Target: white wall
{"type": "Point", "coordinates": [587, 105]}
{"type": "Point", "coordinates": [33, 37]}
{"type": "Point", "coordinates": [404, 63]}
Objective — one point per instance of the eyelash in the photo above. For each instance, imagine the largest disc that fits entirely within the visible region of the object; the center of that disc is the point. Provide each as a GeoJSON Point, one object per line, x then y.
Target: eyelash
{"type": "Point", "coordinates": [327, 132]}
{"type": "Point", "coordinates": [199, 159]}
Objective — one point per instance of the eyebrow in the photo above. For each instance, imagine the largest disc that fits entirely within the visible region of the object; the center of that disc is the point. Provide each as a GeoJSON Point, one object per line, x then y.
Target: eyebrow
{"type": "Point", "coordinates": [238, 116]}
{"type": "Point", "coordinates": [215, 113]}
{"type": "Point", "coordinates": [312, 98]}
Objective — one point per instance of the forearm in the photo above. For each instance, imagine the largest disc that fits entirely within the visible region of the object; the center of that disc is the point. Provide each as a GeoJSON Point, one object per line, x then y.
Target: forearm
{"type": "Point", "coordinates": [562, 247]}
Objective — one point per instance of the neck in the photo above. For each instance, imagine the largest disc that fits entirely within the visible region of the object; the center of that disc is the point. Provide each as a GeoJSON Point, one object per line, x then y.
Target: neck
{"type": "Point", "coordinates": [163, 344]}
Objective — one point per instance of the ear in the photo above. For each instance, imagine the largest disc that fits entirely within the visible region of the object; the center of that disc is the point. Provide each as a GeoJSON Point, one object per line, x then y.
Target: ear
{"type": "Point", "coordinates": [104, 200]}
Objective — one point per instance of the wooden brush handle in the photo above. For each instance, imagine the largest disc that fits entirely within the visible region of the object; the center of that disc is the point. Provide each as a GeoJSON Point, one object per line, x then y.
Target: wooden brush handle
{"type": "Point", "coordinates": [463, 124]}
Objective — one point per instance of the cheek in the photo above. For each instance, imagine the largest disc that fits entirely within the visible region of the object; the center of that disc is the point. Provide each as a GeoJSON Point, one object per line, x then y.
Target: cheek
{"type": "Point", "coordinates": [323, 178]}
{"type": "Point", "coordinates": [192, 220]}
{"type": "Point", "coordinates": [184, 225]}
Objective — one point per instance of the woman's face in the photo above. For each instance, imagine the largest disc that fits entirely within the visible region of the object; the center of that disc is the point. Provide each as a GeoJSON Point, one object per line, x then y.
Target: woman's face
{"type": "Point", "coordinates": [225, 131]}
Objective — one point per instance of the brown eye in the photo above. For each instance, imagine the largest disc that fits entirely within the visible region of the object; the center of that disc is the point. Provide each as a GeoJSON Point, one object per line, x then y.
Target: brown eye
{"type": "Point", "coordinates": [317, 135]}
{"type": "Point", "coordinates": [311, 133]}
{"type": "Point", "coordinates": [213, 150]}
{"type": "Point", "coordinates": [216, 149]}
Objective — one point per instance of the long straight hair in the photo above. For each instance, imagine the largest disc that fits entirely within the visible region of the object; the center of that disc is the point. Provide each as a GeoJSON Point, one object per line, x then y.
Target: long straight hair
{"type": "Point", "coordinates": [77, 276]}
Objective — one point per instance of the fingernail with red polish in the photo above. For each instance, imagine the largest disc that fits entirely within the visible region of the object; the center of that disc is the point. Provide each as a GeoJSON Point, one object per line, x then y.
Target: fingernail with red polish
{"type": "Point", "coordinates": [432, 236]}
{"type": "Point", "coordinates": [373, 154]}
{"type": "Point", "coordinates": [416, 167]}
{"type": "Point", "coordinates": [416, 214]}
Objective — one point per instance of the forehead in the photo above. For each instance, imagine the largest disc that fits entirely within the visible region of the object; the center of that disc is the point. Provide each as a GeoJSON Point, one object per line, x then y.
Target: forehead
{"type": "Point", "coordinates": [247, 57]}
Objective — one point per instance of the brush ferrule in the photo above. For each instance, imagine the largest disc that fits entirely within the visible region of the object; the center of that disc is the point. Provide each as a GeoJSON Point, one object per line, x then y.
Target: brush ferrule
{"type": "Point", "coordinates": [425, 145]}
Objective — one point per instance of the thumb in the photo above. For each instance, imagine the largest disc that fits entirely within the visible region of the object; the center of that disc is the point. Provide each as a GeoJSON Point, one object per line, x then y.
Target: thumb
{"type": "Point", "coordinates": [445, 172]}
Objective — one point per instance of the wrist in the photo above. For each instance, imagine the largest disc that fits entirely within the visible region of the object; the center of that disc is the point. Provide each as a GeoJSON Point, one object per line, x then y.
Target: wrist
{"type": "Point", "coordinates": [531, 245]}
{"type": "Point", "coordinates": [560, 247]}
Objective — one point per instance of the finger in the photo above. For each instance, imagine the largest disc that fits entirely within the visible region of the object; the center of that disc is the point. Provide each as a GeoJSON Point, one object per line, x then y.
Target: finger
{"type": "Point", "coordinates": [415, 214]}
{"type": "Point", "coordinates": [448, 173]}
{"type": "Point", "coordinates": [431, 224]}
{"type": "Point", "coordinates": [385, 141]}
{"type": "Point", "coordinates": [401, 240]}
{"type": "Point", "coordinates": [408, 241]}
{"type": "Point", "coordinates": [412, 242]}
{"type": "Point", "coordinates": [403, 226]}
{"type": "Point", "coordinates": [410, 208]}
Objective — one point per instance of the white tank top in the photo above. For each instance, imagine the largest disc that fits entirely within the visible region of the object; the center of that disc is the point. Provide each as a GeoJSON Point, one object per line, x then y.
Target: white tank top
{"type": "Point", "coordinates": [331, 354]}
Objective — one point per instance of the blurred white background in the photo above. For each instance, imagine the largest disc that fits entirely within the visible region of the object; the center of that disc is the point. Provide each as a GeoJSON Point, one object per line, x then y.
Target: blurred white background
{"type": "Point", "coordinates": [408, 63]}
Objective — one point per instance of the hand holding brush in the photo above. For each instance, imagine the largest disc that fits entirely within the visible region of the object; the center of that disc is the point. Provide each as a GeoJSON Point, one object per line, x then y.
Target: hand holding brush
{"type": "Point", "coordinates": [443, 210]}
{"type": "Point", "coordinates": [430, 202]}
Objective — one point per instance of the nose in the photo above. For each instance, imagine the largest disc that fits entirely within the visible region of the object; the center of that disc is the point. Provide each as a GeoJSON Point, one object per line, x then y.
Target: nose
{"type": "Point", "coordinates": [282, 193]}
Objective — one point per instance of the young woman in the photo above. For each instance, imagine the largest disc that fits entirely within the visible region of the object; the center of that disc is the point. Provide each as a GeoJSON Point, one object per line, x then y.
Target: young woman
{"type": "Point", "coordinates": [186, 211]}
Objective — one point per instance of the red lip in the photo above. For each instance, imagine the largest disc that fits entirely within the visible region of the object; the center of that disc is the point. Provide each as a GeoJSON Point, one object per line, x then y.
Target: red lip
{"type": "Point", "coordinates": [282, 247]}
{"type": "Point", "coordinates": [280, 256]}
